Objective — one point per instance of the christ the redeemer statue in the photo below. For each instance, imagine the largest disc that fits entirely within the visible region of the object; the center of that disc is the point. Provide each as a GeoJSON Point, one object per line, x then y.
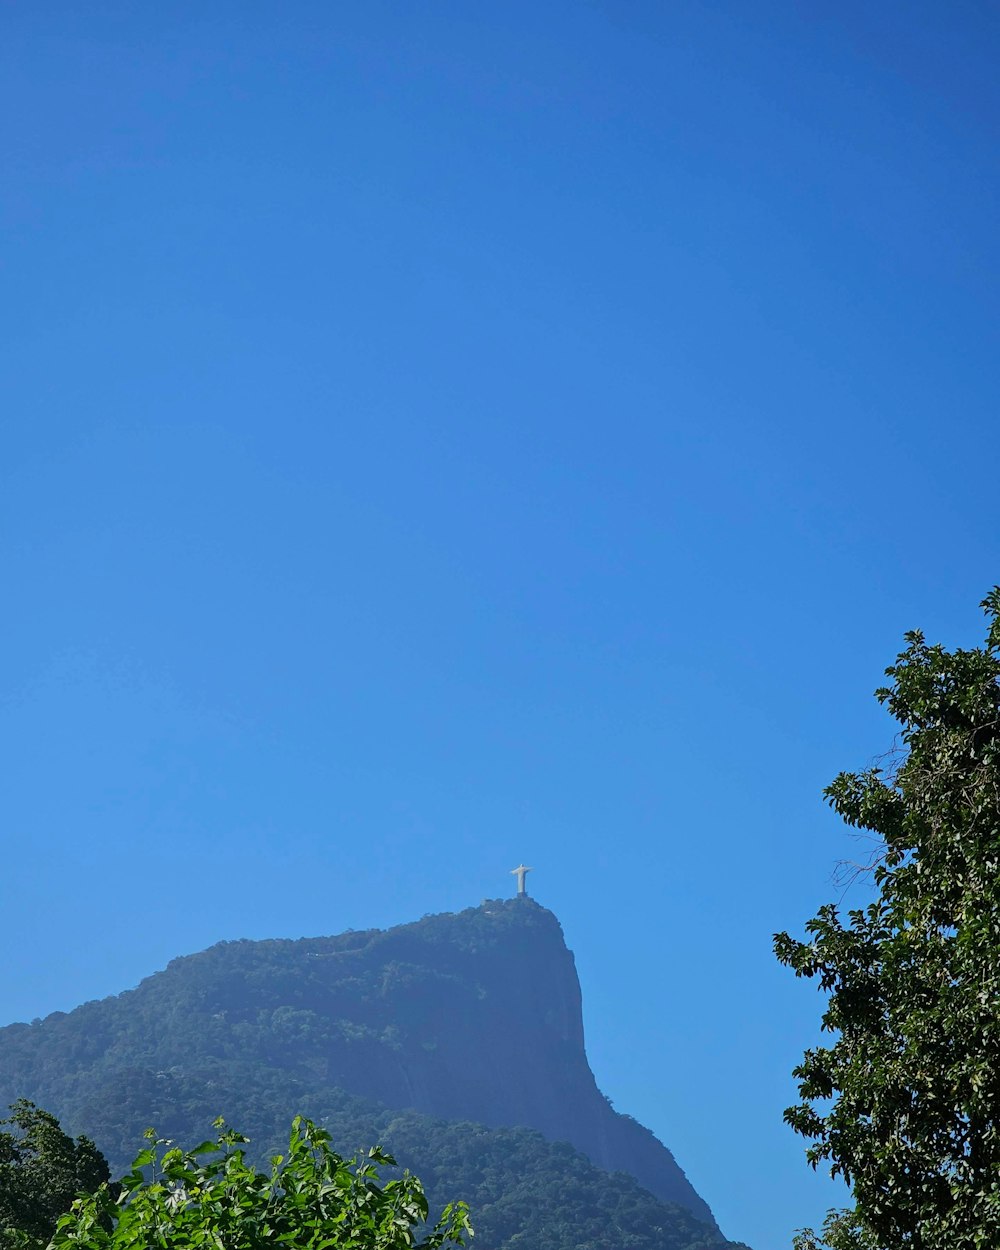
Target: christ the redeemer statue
{"type": "Point", "coordinates": [521, 872]}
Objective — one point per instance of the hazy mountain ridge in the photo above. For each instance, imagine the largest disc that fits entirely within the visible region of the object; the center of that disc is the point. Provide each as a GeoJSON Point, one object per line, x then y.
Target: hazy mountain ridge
{"type": "Point", "coordinates": [474, 1017]}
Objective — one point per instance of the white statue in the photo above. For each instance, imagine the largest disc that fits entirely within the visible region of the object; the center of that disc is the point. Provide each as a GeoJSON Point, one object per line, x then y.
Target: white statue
{"type": "Point", "coordinates": [520, 872]}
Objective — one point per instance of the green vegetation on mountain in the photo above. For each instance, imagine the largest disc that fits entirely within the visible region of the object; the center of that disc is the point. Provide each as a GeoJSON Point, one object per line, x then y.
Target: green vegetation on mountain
{"type": "Point", "coordinates": [455, 1043]}
{"type": "Point", "coordinates": [512, 1178]}
{"type": "Point", "coordinates": [904, 1103]}
{"type": "Point", "coordinates": [515, 1182]}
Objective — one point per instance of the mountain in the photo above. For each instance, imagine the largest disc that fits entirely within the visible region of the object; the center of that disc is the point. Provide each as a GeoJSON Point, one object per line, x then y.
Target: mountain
{"type": "Point", "coordinates": [456, 1041]}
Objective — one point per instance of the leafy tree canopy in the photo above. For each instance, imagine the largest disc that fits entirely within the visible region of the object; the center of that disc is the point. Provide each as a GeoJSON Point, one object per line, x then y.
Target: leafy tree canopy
{"type": "Point", "coordinates": [211, 1196]}
{"type": "Point", "coordinates": [41, 1172]}
{"type": "Point", "coordinates": [904, 1103]}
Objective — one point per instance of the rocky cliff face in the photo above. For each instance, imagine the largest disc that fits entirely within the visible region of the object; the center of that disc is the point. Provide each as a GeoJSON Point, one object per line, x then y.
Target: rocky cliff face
{"type": "Point", "coordinates": [469, 1017]}
{"type": "Point", "coordinates": [495, 1035]}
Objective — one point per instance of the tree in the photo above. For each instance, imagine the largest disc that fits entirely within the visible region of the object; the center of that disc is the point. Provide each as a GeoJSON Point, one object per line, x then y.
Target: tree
{"type": "Point", "coordinates": [905, 1102]}
{"type": "Point", "coordinates": [41, 1172]}
{"type": "Point", "coordinates": [211, 1198]}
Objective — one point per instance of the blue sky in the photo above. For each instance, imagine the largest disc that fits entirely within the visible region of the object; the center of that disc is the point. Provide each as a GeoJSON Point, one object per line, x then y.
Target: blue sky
{"type": "Point", "coordinates": [441, 436]}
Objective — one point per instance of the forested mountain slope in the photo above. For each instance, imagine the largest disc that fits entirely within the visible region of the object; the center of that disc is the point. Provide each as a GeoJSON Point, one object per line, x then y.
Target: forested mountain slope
{"type": "Point", "coordinates": [470, 1022]}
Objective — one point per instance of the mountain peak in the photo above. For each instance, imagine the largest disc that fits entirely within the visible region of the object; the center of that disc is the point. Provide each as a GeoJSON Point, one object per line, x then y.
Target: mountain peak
{"type": "Point", "coordinates": [467, 1016]}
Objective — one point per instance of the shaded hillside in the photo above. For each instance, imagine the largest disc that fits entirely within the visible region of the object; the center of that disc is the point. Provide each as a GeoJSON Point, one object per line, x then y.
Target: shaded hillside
{"type": "Point", "coordinates": [471, 1017]}
{"type": "Point", "coordinates": [524, 1191]}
